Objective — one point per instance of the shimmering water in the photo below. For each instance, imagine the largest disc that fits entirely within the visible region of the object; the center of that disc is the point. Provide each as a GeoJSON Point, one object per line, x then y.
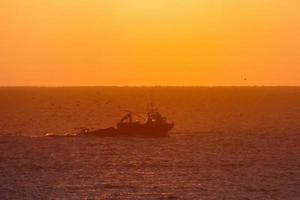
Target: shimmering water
{"type": "Point", "coordinates": [229, 143]}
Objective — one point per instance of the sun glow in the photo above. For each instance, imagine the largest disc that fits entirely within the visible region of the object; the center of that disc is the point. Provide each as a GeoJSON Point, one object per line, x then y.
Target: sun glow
{"type": "Point", "coordinates": [158, 42]}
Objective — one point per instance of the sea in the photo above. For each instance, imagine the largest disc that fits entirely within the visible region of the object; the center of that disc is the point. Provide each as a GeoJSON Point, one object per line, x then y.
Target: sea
{"type": "Point", "coordinates": [228, 143]}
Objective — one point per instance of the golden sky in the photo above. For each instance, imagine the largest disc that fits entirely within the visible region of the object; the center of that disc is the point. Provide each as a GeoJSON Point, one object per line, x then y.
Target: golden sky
{"type": "Point", "coordinates": [150, 42]}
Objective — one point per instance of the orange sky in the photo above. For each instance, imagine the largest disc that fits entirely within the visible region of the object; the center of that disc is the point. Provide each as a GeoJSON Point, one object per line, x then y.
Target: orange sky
{"type": "Point", "coordinates": [157, 42]}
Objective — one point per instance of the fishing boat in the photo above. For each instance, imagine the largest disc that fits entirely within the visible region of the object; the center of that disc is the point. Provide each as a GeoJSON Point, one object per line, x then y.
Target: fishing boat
{"type": "Point", "coordinates": [155, 125]}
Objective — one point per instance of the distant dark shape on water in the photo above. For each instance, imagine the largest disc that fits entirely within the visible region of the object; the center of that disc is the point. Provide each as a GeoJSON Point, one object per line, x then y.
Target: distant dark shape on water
{"type": "Point", "coordinates": [155, 125]}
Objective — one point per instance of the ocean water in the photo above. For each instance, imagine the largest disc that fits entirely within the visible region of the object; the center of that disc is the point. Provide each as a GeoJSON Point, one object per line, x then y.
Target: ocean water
{"type": "Point", "coordinates": [228, 143]}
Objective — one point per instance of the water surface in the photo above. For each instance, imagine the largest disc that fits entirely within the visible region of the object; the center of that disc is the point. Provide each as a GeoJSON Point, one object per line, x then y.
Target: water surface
{"type": "Point", "coordinates": [229, 143]}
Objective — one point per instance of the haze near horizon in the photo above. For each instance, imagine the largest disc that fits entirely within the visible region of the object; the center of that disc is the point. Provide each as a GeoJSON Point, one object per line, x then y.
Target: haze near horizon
{"type": "Point", "coordinates": [158, 42]}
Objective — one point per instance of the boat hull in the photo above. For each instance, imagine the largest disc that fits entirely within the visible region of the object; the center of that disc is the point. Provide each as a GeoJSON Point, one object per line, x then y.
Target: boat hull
{"type": "Point", "coordinates": [135, 130]}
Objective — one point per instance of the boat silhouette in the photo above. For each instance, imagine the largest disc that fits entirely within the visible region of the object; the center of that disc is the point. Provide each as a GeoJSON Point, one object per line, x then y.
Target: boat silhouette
{"type": "Point", "coordinates": [155, 125]}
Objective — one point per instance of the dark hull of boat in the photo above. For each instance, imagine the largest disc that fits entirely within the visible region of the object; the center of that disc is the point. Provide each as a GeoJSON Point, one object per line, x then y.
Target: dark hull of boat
{"type": "Point", "coordinates": [99, 133]}
{"type": "Point", "coordinates": [135, 130]}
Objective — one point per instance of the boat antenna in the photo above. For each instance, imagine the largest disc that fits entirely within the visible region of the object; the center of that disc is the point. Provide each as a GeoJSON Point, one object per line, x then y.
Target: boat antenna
{"type": "Point", "coordinates": [151, 108]}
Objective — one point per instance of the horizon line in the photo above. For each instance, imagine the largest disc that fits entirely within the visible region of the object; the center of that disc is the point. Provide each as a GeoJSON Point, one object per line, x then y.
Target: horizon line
{"type": "Point", "coordinates": [138, 86]}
